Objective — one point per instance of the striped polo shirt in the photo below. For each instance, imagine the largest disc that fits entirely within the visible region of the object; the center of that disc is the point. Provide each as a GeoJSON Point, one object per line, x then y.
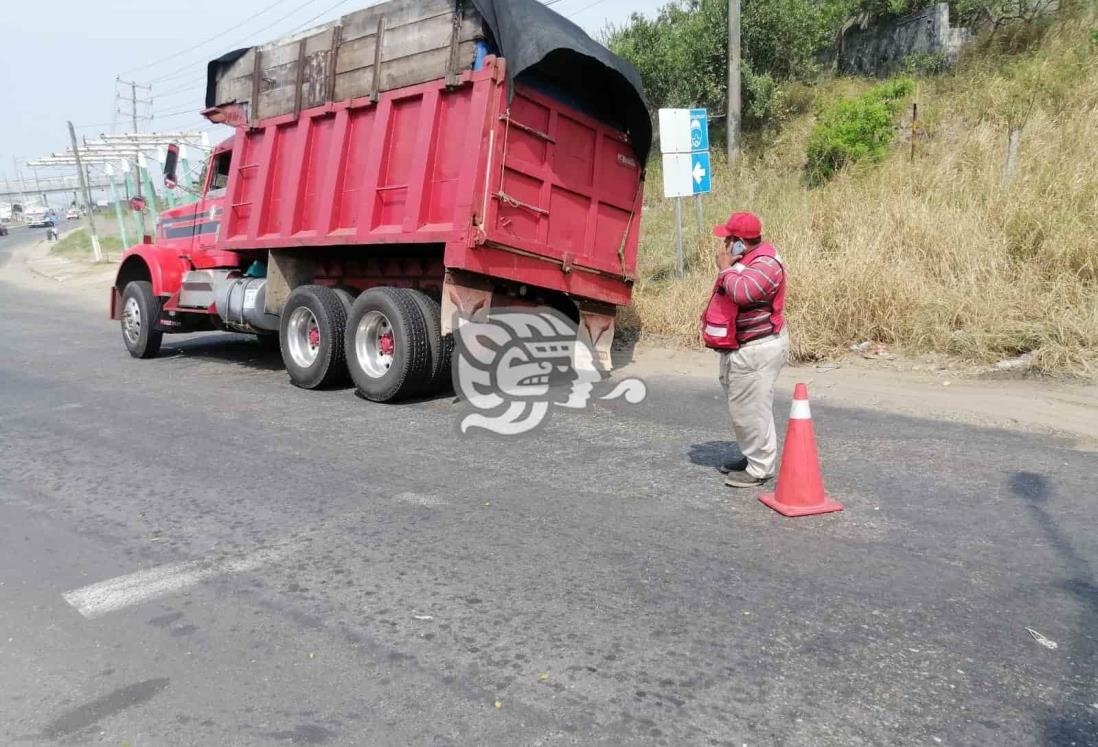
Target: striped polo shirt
{"type": "Point", "coordinates": [753, 288]}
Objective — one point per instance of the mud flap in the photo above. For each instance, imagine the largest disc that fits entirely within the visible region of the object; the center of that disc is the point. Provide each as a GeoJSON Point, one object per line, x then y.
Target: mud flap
{"type": "Point", "coordinates": [286, 270]}
{"type": "Point", "coordinates": [116, 303]}
{"type": "Point", "coordinates": [596, 328]}
{"type": "Point", "coordinates": [464, 297]}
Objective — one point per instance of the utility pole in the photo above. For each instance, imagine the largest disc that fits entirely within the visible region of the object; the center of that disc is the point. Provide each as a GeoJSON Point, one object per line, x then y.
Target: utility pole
{"type": "Point", "coordinates": [96, 249]}
{"type": "Point", "coordinates": [22, 182]}
{"type": "Point", "coordinates": [733, 81]}
{"type": "Point", "coordinates": [38, 186]}
{"type": "Point", "coordinates": [134, 101]}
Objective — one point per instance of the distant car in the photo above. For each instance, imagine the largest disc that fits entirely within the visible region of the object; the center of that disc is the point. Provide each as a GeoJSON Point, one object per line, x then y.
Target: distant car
{"type": "Point", "coordinates": [40, 220]}
{"type": "Point", "coordinates": [73, 214]}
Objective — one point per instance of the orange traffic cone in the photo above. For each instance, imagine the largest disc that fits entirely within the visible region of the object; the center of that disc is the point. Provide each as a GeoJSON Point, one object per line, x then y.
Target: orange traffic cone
{"type": "Point", "coordinates": [800, 490]}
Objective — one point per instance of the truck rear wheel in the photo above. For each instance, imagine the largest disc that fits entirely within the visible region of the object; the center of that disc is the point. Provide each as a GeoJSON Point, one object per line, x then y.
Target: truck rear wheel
{"type": "Point", "coordinates": [311, 337]}
{"type": "Point", "coordinates": [140, 310]}
{"type": "Point", "coordinates": [441, 346]}
{"type": "Point", "coordinates": [388, 351]}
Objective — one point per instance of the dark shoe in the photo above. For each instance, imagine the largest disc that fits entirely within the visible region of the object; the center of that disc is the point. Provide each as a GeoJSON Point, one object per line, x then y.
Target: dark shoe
{"type": "Point", "coordinates": [743, 479]}
{"type": "Point", "coordinates": [733, 465]}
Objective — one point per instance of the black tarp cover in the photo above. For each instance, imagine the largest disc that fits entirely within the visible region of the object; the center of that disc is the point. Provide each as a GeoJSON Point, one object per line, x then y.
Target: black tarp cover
{"type": "Point", "coordinates": [536, 40]}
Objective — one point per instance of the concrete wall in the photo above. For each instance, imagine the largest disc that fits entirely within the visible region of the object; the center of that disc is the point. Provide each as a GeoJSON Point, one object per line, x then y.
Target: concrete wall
{"type": "Point", "coordinates": [882, 49]}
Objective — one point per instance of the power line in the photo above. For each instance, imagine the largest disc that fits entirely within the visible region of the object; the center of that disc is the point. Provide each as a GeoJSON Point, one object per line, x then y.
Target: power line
{"type": "Point", "coordinates": [178, 89]}
{"type": "Point", "coordinates": [169, 115]}
{"type": "Point", "coordinates": [207, 40]}
{"type": "Point", "coordinates": [95, 124]}
{"type": "Point", "coordinates": [177, 72]}
{"type": "Point", "coordinates": [585, 8]}
{"type": "Point", "coordinates": [321, 13]}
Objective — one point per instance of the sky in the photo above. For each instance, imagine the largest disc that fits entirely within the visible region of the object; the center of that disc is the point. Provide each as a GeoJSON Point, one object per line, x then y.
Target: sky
{"type": "Point", "coordinates": [59, 60]}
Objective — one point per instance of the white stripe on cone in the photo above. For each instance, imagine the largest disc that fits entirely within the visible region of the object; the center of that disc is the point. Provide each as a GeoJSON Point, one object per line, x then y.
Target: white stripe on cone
{"type": "Point", "coordinates": [800, 410]}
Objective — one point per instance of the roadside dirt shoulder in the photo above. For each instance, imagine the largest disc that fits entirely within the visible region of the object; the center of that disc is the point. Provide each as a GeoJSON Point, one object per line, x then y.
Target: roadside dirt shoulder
{"type": "Point", "coordinates": [1063, 408]}
{"type": "Point", "coordinates": [33, 266]}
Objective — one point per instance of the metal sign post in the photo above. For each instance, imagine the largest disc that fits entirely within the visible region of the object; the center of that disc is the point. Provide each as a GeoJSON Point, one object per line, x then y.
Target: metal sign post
{"type": "Point", "coordinates": [679, 258]}
{"type": "Point", "coordinates": [684, 143]}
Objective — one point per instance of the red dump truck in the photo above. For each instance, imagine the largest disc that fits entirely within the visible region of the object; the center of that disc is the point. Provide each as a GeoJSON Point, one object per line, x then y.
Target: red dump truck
{"type": "Point", "coordinates": [411, 163]}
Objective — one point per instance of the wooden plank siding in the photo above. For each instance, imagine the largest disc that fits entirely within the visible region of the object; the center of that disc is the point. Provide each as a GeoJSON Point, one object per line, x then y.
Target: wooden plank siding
{"type": "Point", "coordinates": [337, 62]}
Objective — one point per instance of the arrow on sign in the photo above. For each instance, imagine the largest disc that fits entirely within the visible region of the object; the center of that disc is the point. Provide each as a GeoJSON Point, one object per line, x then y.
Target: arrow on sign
{"type": "Point", "coordinates": [699, 173]}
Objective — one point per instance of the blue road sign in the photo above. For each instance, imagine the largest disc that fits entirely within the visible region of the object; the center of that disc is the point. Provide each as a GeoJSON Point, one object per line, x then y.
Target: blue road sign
{"type": "Point", "coordinates": [700, 172]}
{"type": "Point", "coordinates": [699, 129]}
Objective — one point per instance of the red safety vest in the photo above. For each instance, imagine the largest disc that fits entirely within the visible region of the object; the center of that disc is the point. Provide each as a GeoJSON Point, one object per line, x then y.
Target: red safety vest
{"type": "Point", "coordinates": [718, 321]}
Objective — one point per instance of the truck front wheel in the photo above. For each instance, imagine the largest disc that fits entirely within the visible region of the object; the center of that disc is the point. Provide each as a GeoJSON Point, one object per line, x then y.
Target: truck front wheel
{"type": "Point", "coordinates": [311, 337]}
{"type": "Point", "coordinates": [388, 351]}
{"type": "Point", "coordinates": [140, 310]}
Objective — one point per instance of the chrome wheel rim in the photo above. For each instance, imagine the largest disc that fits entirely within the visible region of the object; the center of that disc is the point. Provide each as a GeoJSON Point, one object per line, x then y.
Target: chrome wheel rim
{"type": "Point", "coordinates": [303, 337]}
{"type": "Point", "coordinates": [131, 320]}
{"type": "Point", "coordinates": [375, 344]}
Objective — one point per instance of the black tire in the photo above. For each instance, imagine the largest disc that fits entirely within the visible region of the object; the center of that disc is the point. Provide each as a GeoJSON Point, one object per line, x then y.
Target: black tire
{"type": "Point", "coordinates": [347, 296]}
{"type": "Point", "coordinates": [140, 333]}
{"type": "Point", "coordinates": [306, 306]}
{"type": "Point", "coordinates": [441, 346]}
{"type": "Point", "coordinates": [408, 368]}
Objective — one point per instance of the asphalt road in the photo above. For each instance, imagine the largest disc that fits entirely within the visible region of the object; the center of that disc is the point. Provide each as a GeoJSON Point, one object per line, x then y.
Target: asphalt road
{"type": "Point", "coordinates": [21, 235]}
{"type": "Point", "coordinates": [322, 570]}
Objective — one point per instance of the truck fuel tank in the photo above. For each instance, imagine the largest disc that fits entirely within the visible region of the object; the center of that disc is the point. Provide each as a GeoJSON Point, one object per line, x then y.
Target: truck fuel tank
{"type": "Point", "coordinates": [240, 304]}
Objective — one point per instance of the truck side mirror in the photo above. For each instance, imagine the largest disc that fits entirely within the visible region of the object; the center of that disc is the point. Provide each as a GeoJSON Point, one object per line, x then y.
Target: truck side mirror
{"type": "Point", "coordinates": [171, 161]}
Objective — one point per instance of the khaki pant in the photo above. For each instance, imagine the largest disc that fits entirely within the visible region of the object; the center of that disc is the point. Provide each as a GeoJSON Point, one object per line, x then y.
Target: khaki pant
{"type": "Point", "coordinates": [748, 375]}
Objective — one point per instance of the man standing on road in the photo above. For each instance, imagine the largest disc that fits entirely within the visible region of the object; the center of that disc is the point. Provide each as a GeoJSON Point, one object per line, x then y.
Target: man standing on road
{"type": "Point", "coordinates": [744, 323]}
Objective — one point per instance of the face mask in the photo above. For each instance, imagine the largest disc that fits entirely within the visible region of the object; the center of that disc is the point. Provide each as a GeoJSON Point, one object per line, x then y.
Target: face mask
{"type": "Point", "coordinates": [738, 248]}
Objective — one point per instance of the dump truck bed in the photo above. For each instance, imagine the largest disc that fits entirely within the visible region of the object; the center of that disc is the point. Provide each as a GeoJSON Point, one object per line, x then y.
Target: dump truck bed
{"type": "Point", "coordinates": [528, 190]}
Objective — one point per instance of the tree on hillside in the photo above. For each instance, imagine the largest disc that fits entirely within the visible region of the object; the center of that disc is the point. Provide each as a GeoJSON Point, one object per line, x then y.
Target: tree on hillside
{"type": "Point", "coordinates": [681, 53]}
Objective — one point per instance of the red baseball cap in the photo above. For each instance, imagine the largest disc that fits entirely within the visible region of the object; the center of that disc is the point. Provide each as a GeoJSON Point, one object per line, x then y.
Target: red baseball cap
{"type": "Point", "coordinates": [740, 225]}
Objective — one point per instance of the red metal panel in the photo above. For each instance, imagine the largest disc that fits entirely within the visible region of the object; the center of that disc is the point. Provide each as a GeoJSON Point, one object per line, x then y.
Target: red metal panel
{"type": "Point", "coordinates": [398, 149]}
{"type": "Point", "coordinates": [395, 171]}
{"type": "Point", "coordinates": [523, 268]}
{"type": "Point", "coordinates": [311, 214]}
{"type": "Point", "coordinates": [427, 127]}
{"type": "Point", "coordinates": [445, 162]}
{"type": "Point", "coordinates": [259, 194]}
{"type": "Point", "coordinates": [332, 174]}
{"type": "Point", "coordinates": [356, 164]}
{"type": "Point", "coordinates": [567, 187]}
{"type": "Point", "coordinates": [242, 185]}
{"type": "Point", "coordinates": [281, 178]}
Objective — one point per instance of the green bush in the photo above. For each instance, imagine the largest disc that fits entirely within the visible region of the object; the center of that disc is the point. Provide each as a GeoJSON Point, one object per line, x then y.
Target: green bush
{"type": "Point", "coordinates": [925, 64]}
{"type": "Point", "coordinates": [764, 98]}
{"type": "Point", "coordinates": [681, 53]}
{"type": "Point", "coordinates": [854, 130]}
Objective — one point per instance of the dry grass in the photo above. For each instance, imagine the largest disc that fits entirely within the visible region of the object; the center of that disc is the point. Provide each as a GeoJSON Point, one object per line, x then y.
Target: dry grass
{"type": "Point", "coordinates": [935, 255]}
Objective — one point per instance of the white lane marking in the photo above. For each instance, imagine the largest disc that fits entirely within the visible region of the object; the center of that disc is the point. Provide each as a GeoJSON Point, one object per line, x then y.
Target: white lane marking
{"type": "Point", "coordinates": [800, 410]}
{"type": "Point", "coordinates": [420, 499]}
{"type": "Point", "coordinates": [114, 594]}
